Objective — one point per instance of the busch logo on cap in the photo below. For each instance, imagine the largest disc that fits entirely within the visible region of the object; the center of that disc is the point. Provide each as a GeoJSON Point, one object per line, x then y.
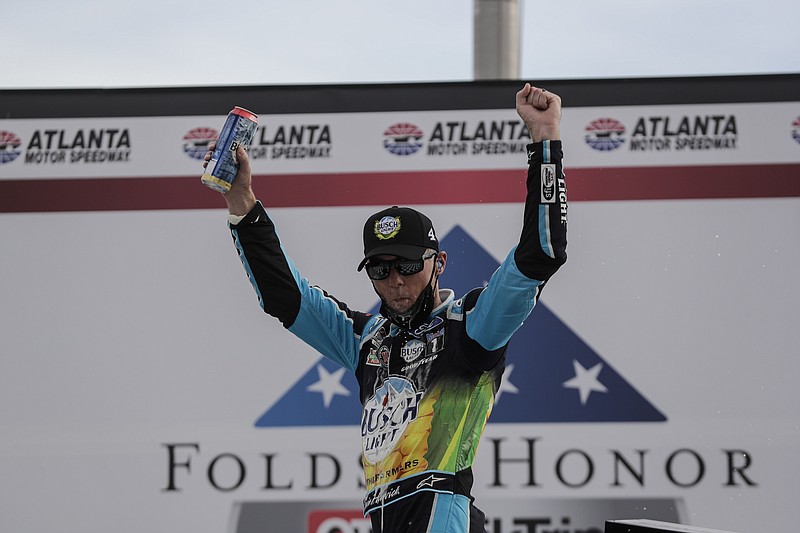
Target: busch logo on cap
{"type": "Point", "coordinates": [387, 227]}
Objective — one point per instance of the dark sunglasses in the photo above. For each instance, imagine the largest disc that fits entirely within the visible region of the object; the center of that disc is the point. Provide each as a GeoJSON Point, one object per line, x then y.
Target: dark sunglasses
{"type": "Point", "coordinates": [379, 270]}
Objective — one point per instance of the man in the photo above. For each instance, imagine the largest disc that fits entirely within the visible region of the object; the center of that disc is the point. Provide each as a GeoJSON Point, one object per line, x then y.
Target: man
{"type": "Point", "coordinates": [428, 364]}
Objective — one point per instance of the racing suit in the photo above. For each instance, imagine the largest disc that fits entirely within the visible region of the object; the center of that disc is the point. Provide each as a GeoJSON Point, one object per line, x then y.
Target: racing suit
{"type": "Point", "coordinates": [426, 394]}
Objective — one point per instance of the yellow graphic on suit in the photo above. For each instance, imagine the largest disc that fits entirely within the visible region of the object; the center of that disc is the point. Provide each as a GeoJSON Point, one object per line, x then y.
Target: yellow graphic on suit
{"type": "Point", "coordinates": [443, 436]}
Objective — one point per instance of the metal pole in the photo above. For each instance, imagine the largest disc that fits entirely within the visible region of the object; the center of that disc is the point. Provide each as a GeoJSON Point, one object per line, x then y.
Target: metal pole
{"type": "Point", "coordinates": [496, 39]}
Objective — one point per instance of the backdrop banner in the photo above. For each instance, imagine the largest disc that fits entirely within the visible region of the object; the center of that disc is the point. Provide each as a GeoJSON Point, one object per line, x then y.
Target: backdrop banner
{"type": "Point", "coordinates": [142, 388]}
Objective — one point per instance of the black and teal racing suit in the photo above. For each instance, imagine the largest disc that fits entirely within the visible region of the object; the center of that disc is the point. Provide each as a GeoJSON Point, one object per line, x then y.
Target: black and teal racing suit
{"type": "Point", "coordinates": [426, 394]}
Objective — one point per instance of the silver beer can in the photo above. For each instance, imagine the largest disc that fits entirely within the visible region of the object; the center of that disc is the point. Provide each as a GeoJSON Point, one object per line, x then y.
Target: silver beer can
{"type": "Point", "coordinates": [239, 129]}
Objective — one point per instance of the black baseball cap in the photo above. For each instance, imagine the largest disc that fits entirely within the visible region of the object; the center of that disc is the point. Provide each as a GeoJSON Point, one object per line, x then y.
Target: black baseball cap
{"type": "Point", "coordinates": [399, 231]}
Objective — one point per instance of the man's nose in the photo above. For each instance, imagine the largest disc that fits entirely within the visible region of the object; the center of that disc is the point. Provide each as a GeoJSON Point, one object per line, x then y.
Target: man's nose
{"type": "Point", "coordinates": [395, 278]}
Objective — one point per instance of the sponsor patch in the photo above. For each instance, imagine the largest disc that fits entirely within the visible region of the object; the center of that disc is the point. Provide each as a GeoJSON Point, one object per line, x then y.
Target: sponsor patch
{"type": "Point", "coordinates": [372, 357]}
{"type": "Point", "coordinates": [386, 415]}
{"type": "Point", "coordinates": [435, 341]}
{"type": "Point", "coordinates": [412, 349]}
{"type": "Point", "coordinates": [435, 323]}
{"type": "Point", "coordinates": [548, 181]}
{"type": "Point", "coordinates": [387, 227]}
{"type": "Point", "coordinates": [383, 353]}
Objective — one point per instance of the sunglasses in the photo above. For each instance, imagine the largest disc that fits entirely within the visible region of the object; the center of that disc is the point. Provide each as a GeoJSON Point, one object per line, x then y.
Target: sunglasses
{"type": "Point", "coordinates": [405, 267]}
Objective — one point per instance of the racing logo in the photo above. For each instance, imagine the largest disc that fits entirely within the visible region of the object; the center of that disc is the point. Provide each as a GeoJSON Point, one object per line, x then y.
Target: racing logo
{"type": "Point", "coordinates": [605, 134]}
{"type": "Point", "coordinates": [196, 141]}
{"type": "Point", "coordinates": [9, 146]}
{"type": "Point", "coordinates": [387, 227]}
{"type": "Point", "coordinates": [402, 138]}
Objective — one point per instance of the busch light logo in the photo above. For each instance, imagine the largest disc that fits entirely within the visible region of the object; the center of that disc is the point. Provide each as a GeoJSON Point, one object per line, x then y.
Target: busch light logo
{"type": "Point", "coordinates": [402, 138]}
{"type": "Point", "coordinates": [795, 130]}
{"type": "Point", "coordinates": [605, 134]}
{"type": "Point", "coordinates": [386, 414]}
{"type": "Point", "coordinates": [196, 141]}
{"type": "Point", "coordinates": [412, 349]}
{"type": "Point", "coordinates": [551, 374]}
{"type": "Point", "coordinates": [9, 146]}
{"type": "Point", "coordinates": [387, 227]}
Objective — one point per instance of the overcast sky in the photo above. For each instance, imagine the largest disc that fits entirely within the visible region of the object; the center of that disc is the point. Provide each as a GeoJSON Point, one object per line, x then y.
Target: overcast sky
{"type": "Point", "coordinates": [115, 43]}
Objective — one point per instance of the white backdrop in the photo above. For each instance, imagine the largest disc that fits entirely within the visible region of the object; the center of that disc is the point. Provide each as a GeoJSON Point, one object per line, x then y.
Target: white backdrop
{"type": "Point", "coordinates": [135, 359]}
{"type": "Point", "coordinates": [125, 331]}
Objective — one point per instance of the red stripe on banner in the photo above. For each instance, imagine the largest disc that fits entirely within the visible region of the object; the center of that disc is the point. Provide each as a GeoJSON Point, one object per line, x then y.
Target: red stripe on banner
{"type": "Point", "coordinates": [384, 188]}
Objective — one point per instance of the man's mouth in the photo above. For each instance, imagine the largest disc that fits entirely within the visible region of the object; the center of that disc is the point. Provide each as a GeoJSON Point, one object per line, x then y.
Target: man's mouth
{"type": "Point", "coordinates": [400, 304]}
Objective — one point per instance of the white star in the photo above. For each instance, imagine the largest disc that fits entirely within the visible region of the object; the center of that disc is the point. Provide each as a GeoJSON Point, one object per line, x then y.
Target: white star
{"type": "Point", "coordinates": [505, 384]}
{"type": "Point", "coordinates": [585, 380]}
{"type": "Point", "coordinates": [329, 385]}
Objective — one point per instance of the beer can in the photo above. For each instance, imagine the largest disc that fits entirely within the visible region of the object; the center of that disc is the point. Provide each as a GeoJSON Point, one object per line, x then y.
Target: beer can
{"type": "Point", "coordinates": [239, 129]}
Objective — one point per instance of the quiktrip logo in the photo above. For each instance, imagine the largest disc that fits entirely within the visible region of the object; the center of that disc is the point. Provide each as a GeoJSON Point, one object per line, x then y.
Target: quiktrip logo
{"type": "Point", "coordinates": [504, 514]}
{"type": "Point", "coordinates": [795, 130]}
{"type": "Point", "coordinates": [9, 146]}
{"type": "Point", "coordinates": [338, 521]}
{"type": "Point", "coordinates": [605, 134]}
{"type": "Point", "coordinates": [402, 138]}
{"type": "Point", "coordinates": [197, 141]}
{"type": "Point", "coordinates": [551, 375]}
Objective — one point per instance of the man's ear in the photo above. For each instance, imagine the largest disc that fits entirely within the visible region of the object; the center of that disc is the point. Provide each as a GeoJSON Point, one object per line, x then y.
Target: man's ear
{"type": "Point", "coordinates": [441, 261]}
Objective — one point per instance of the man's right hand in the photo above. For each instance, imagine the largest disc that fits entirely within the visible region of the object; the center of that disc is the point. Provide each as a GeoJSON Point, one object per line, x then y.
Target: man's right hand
{"type": "Point", "coordinates": [240, 198]}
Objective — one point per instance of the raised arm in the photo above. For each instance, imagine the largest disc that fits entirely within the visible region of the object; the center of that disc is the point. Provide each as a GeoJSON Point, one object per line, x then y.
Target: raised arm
{"type": "Point", "coordinates": [515, 287]}
{"type": "Point", "coordinates": [317, 318]}
{"type": "Point", "coordinates": [543, 244]}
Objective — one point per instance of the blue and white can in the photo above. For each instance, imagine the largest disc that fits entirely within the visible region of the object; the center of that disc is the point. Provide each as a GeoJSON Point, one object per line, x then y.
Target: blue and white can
{"type": "Point", "coordinates": [239, 129]}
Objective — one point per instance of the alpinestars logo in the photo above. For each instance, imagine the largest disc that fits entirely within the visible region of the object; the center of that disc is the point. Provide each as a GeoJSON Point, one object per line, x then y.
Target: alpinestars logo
{"type": "Point", "coordinates": [564, 381]}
